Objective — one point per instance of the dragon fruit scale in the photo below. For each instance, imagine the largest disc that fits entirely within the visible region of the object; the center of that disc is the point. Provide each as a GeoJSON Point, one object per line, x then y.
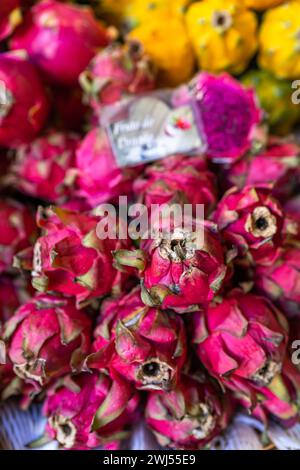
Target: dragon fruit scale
{"type": "Point", "coordinates": [177, 179]}
{"type": "Point", "coordinates": [229, 114]}
{"type": "Point", "coordinates": [145, 345]}
{"type": "Point", "coordinates": [241, 341]}
{"type": "Point", "coordinates": [71, 259]}
{"type": "Point", "coordinates": [277, 166]}
{"type": "Point", "coordinates": [26, 105]}
{"type": "Point", "coordinates": [42, 167]}
{"type": "Point", "coordinates": [98, 178]}
{"type": "Point", "coordinates": [190, 416]}
{"type": "Point", "coordinates": [18, 231]}
{"type": "Point", "coordinates": [280, 281]}
{"type": "Point", "coordinates": [279, 400]}
{"type": "Point", "coordinates": [180, 270]}
{"type": "Point", "coordinates": [116, 72]}
{"type": "Point", "coordinates": [90, 410]}
{"type": "Point", "coordinates": [47, 338]}
{"type": "Point", "coordinates": [252, 221]}
{"type": "Point", "coordinates": [55, 34]}
{"type": "Point", "coordinates": [10, 17]}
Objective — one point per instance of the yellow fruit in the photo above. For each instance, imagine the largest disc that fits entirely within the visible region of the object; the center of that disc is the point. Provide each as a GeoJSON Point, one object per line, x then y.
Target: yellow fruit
{"type": "Point", "coordinates": [275, 98]}
{"type": "Point", "coordinates": [262, 4]}
{"type": "Point", "coordinates": [168, 45]}
{"type": "Point", "coordinates": [279, 41]}
{"type": "Point", "coordinates": [133, 13]}
{"type": "Point", "coordinates": [223, 33]}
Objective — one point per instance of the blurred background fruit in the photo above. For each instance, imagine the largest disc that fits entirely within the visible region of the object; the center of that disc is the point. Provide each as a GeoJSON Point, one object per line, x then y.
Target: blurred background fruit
{"type": "Point", "coordinates": [275, 98]}
{"type": "Point", "coordinates": [262, 4]}
{"type": "Point", "coordinates": [130, 14]}
{"type": "Point", "coordinates": [223, 34]}
{"type": "Point", "coordinates": [174, 61]}
{"type": "Point", "coordinates": [279, 41]}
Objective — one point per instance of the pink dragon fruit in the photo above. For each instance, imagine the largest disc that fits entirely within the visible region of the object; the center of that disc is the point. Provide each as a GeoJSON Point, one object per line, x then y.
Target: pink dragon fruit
{"type": "Point", "coordinates": [99, 179]}
{"type": "Point", "coordinates": [90, 410]}
{"type": "Point", "coordinates": [41, 168]}
{"type": "Point", "coordinates": [181, 269]}
{"type": "Point", "coordinates": [55, 34]}
{"type": "Point", "coordinates": [10, 17]}
{"type": "Point", "coordinates": [71, 259]}
{"type": "Point", "coordinates": [47, 338]}
{"type": "Point", "coordinates": [276, 166]}
{"type": "Point", "coordinates": [252, 221]}
{"type": "Point", "coordinates": [279, 400]}
{"type": "Point", "coordinates": [117, 71]}
{"type": "Point", "coordinates": [229, 114]}
{"type": "Point", "coordinates": [26, 104]}
{"type": "Point", "coordinates": [177, 179]}
{"type": "Point", "coordinates": [146, 345]}
{"type": "Point", "coordinates": [12, 293]}
{"type": "Point", "coordinates": [241, 341]}
{"type": "Point", "coordinates": [280, 281]}
{"type": "Point", "coordinates": [18, 231]}
{"type": "Point", "coordinates": [190, 416]}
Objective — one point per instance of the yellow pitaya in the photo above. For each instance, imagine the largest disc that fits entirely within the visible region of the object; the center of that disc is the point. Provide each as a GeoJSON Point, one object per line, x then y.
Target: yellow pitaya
{"type": "Point", "coordinates": [223, 33]}
{"type": "Point", "coordinates": [262, 4]}
{"type": "Point", "coordinates": [279, 41]}
{"type": "Point", "coordinates": [275, 98]}
{"type": "Point", "coordinates": [133, 13]}
{"type": "Point", "coordinates": [166, 42]}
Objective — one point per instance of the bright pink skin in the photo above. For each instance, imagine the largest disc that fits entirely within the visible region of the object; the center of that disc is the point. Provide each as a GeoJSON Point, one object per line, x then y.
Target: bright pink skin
{"type": "Point", "coordinates": [173, 416]}
{"type": "Point", "coordinates": [71, 259]}
{"type": "Point", "coordinates": [18, 231]}
{"type": "Point", "coordinates": [115, 72]}
{"type": "Point", "coordinates": [256, 234]}
{"type": "Point", "coordinates": [47, 338]}
{"type": "Point", "coordinates": [99, 177]}
{"type": "Point", "coordinates": [280, 400]}
{"type": "Point", "coordinates": [177, 179]}
{"type": "Point", "coordinates": [146, 345]}
{"type": "Point", "coordinates": [26, 111]}
{"type": "Point", "coordinates": [181, 280]}
{"type": "Point", "coordinates": [97, 410]}
{"type": "Point", "coordinates": [241, 341]}
{"type": "Point", "coordinates": [41, 168]}
{"type": "Point", "coordinates": [280, 281]}
{"type": "Point", "coordinates": [55, 34]}
{"type": "Point", "coordinates": [6, 24]}
{"type": "Point", "coordinates": [229, 114]}
{"type": "Point", "coordinates": [276, 166]}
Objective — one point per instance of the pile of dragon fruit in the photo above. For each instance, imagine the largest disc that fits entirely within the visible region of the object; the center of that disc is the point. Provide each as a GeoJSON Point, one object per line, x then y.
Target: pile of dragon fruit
{"type": "Point", "coordinates": [106, 333]}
